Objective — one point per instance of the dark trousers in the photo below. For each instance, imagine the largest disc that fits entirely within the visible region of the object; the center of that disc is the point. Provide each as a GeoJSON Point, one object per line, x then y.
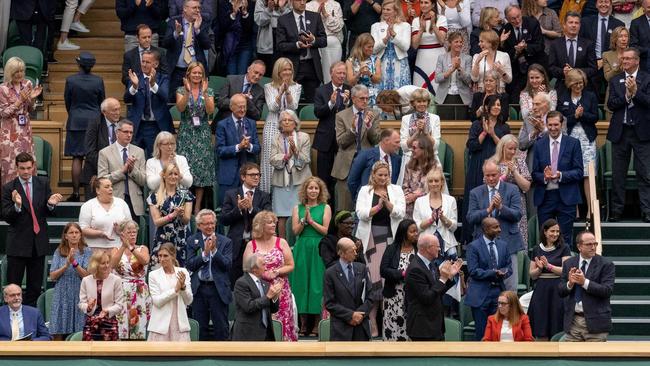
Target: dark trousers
{"type": "Point", "coordinates": [453, 109]}
{"type": "Point", "coordinates": [621, 153]}
{"type": "Point", "coordinates": [486, 309]}
{"type": "Point", "coordinates": [127, 199]}
{"type": "Point", "coordinates": [26, 30]}
{"type": "Point", "coordinates": [324, 164]}
{"type": "Point", "coordinates": [553, 207]}
{"type": "Point", "coordinates": [175, 81]}
{"type": "Point", "coordinates": [146, 135]}
{"type": "Point", "coordinates": [34, 266]}
{"type": "Point", "coordinates": [207, 304]}
{"type": "Point", "coordinates": [307, 77]}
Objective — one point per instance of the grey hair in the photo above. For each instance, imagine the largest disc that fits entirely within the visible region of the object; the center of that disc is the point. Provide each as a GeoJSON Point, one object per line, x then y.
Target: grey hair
{"type": "Point", "coordinates": [204, 212]}
{"type": "Point", "coordinates": [426, 240]}
{"type": "Point", "coordinates": [123, 122]}
{"type": "Point", "coordinates": [510, 7]}
{"type": "Point", "coordinates": [359, 88]}
{"type": "Point", "coordinates": [106, 102]}
{"type": "Point", "coordinates": [251, 262]}
{"type": "Point", "coordinates": [545, 96]}
{"type": "Point", "coordinates": [293, 116]}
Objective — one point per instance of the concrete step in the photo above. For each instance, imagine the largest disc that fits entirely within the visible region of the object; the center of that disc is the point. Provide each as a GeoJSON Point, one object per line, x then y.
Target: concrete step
{"type": "Point", "coordinates": [631, 326]}
{"type": "Point", "coordinates": [57, 112]}
{"type": "Point", "coordinates": [632, 286]}
{"type": "Point", "coordinates": [69, 68]}
{"type": "Point", "coordinates": [626, 247]}
{"type": "Point", "coordinates": [101, 14]}
{"type": "Point", "coordinates": [625, 230]}
{"type": "Point", "coordinates": [89, 43]}
{"type": "Point", "coordinates": [111, 86]}
{"type": "Point", "coordinates": [631, 266]}
{"type": "Point", "coordinates": [102, 55]}
{"type": "Point", "coordinates": [637, 306]}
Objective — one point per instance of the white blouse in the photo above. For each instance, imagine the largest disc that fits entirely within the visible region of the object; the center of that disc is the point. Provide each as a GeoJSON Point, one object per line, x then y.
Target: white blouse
{"type": "Point", "coordinates": [506, 332]}
{"type": "Point", "coordinates": [154, 167]}
{"type": "Point", "coordinates": [94, 216]}
{"type": "Point", "coordinates": [333, 24]}
{"type": "Point", "coordinates": [428, 38]}
{"type": "Point", "coordinates": [456, 19]}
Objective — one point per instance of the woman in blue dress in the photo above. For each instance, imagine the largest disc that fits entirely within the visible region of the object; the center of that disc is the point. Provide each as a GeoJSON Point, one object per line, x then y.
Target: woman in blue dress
{"type": "Point", "coordinates": [392, 41]}
{"type": "Point", "coordinates": [362, 67]}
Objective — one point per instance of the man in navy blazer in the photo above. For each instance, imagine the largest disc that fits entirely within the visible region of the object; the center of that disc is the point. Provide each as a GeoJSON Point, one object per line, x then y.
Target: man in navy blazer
{"type": "Point", "coordinates": [363, 162]}
{"type": "Point", "coordinates": [132, 58]}
{"type": "Point", "coordinates": [28, 319]}
{"type": "Point", "coordinates": [557, 183]}
{"type": "Point", "coordinates": [640, 36]}
{"type": "Point", "coordinates": [488, 263]}
{"type": "Point", "coordinates": [147, 92]}
{"type": "Point", "coordinates": [502, 201]}
{"type": "Point", "coordinates": [629, 101]}
{"type": "Point", "coordinates": [237, 144]}
{"type": "Point", "coordinates": [586, 285]}
{"type": "Point", "coordinates": [209, 259]}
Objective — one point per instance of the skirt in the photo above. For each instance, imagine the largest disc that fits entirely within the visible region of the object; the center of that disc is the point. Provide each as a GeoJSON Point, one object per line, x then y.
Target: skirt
{"type": "Point", "coordinates": [74, 144]}
{"type": "Point", "coordinates": [588, 147]}
{"type": "Point", "coordinates": [285, 199]}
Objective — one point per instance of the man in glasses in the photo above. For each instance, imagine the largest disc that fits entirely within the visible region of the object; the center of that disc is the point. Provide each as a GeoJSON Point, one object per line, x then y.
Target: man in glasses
{"type": "Point", "coordinates": [587, 284]}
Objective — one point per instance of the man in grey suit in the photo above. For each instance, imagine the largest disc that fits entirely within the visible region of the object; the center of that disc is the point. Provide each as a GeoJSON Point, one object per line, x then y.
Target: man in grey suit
{"type": "Point", "coordinates": [357, 128]}
{"type": "Point", "coordinates": [255, 301]}
{"type": "Point", "coordinates": [586, 285]}
{"type": "Point", "coordinates": [248, 85]}
{"type": "Point", "coordinates": [347, 295]}
{"type": "Point", "coordinates": [502, 201]}
{"type": "Point", "coordinates": [124, 165]}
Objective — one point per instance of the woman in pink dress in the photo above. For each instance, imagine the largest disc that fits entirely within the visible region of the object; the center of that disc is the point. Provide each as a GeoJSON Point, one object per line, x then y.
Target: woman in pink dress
{"type": "Point", "coordinates": [279, 263]}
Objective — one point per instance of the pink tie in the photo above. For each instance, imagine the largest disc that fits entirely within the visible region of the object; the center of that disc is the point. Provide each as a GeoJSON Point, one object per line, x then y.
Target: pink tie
{"type": "Point", "coordinates": [37, 228]}
{"type": "Point", "coordinates": [554, 156]}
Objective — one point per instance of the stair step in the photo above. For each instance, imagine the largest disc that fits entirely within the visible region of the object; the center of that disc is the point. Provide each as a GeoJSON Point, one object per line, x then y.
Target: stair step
{"type": "Point", "coordinates": [109, 28]}
{"type": "Point", "coordinates": [115, 43]}
{"type": "Point", "coordinates": [69, 68]}
{"type": "Point", "coordinates": [95, 14]}
{"type": "Point", "coordinates": [102, 55]}
{"type": "Point", "coordinates": [68, 209]}
{"type": "Point", "coordinates": [631, 326]}
{"type": "Point", "coordinates": [637, 306]}
{"type": "Point", "coordinates": [626, 247]}
{"type": "Point", "coordinates": [632, 286]}
{"type": "Point", "coordinates": [625, 230]}
{"type": "Point", "coordinates": [111, 86]}
{"type": "Point", "coordinates": [631, 266]}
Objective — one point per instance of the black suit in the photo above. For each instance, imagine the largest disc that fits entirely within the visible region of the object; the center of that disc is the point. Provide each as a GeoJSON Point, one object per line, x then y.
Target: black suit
{"type": "Point", "coordinates": [25, 249]}
{"type": "Point", "coordinates": [626, 138]}
{"type": "Point", "coordinates": [325, 137]}
{"type": "Point", "coordinates": [425, 314]}
{"type": "Point", "coordinates": [97, 138]}
{"type": "Point", "coordinates": [308, 73]}
{"type": "Point", "coordinates": [235, 85]}
{"type": "Point", "coordinates": [342, 299]}
{"type": "Point", "coordinates": [585, 60]}
{"type": "Point", "coordinates": [238, 221]}
{"type": "Point", "coordinates": [640, 39]}
{"type": "Point", "coordinates": [531, 33]}
{"type": "Point", "coordinates": [132, 61]}
{"type": "Point", "coordinates": [589, 29]}
{"type": "Point", "coordinates": [30, 13]}
{"type": "Point", "coordinates": [251, 305]}
{"type": "Point", "coordinates": [595, 299]}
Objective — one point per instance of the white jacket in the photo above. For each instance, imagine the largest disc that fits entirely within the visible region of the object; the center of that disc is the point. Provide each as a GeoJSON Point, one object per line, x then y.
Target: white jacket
{"type": "Point", "coordinates": [364, 204]}
{"type": "Point", "coordinates": [402, 40]}
{"type": "Point", "coordinates": [162, 290]}
{"type": "Point", "coordinates": [422, 212]}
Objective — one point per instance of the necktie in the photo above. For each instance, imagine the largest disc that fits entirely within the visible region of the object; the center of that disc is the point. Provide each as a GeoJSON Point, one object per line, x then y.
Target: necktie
{"type": "Point", "coordinates": [303, 51]}
{"type": "Point", "coordinates": [189, 42]}
{"type": "Point", "coordinates": [493, 191]}
{"type": "Point", "coordinates": [147, 99]}
{"type": "Point", "coordinates": [432, 268]}
{"type": "Point", "coordinates": [37, 228]}
{"type": "Point", "coordinates": [112, 137]}
{"type": "Point", "coordinates": [603, 35]}
{"type": "Point", "coordinates": [240, 130]}
{"type": "Point", "coordinates": [339, 99]}
{"type": "Point", "coordinates": [247, 219]}
{"type": "Point", "coordinates": [359, 127]}
{"type": "Point", "coordinates": [206, 269]}
{"type": "Point", "coordinates": [351, 277]}
{"type": "Point", "coordinates": [247, 87]}
{"type": "Point", "coordinates": [493, 256]}
{"type": "Point", "coordinates": [265, 321]}
{"type": "Point", "coordinates": [125, 157]}
{"type": "Point", "coordinates": [15, 327]}
{"type": "Point", "coordinates": [518, 32]}
{"type": "Point", "coordinates": [572, 59]}
{"type": "Point", "coordinates": [554, 155]}
{"type": "Point", "coordinates": [578, 293]}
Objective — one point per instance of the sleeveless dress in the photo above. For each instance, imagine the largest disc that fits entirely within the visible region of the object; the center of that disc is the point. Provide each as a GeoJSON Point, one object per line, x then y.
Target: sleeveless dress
{"type": "Point", "coordinates": [175, 232]}
{"type": "Point", "coordinates": [274, 259]}
{"type": "Point", "coordinates": [133, 319]}
{"type": "Point", "coordinates": [307, 277]}
{"type": "Point", "coordinates": [65, 316]}
{"type": "Point", "coordinates": [394, 307]}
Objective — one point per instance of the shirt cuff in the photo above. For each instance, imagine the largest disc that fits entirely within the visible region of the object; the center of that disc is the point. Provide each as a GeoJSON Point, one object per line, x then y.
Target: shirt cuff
{"type": "Point", "coordinates": [154, 88]}
{"type": "Point", "coordinates": [18, 208]}
{"type": "Point", "coordinates": [586, 284]}
{"type": "Point", "coordinates": [237, 148]}
{"type": "Point", "coordinates": [330, 104]}
{"type": "Point", "coordinates": [250, 148]}
{"type": "Point", "coordinates": [132, 90]}
{"type": "Point", "coordinates": [232, 17]}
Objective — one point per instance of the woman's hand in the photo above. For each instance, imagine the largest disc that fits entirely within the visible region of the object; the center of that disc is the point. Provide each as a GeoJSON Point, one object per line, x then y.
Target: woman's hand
{"type": "Point", "coordinates": [180, 281]}
{"type": "Point", "coordinates": [91, 304]}
{"type": "Point", "coordinates": [186, 85]}
{"type": "Point", "coordinates": [204, 86]}
{"type": "Point", "coordinates": [35, 92]}
{"type": "Point", "coordinates": [71, 255]}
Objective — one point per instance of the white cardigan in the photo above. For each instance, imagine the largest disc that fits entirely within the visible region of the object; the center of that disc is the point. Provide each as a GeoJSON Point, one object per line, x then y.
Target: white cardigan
{"type": "Point", "coordinates": [153, 169]}
{"type": "Point", "coordinates": [432, 129]}
{"type": "Point", "coordinates": [402, 40]}
{"type": "Point", "coordinates": [422, 212]}
{"type": "Point", "coordinates": [364, 204]}
{"type": "Point", "coordinates": [501, 57]}
{"type": "Point", "coordinates": [162, 290]}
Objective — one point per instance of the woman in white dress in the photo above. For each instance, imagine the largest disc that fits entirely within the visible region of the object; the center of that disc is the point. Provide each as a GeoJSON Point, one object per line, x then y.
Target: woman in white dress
{"type": "Point", "coordinates": [459, 19]}
{"type": "Point", "coordinates": [429, 33]}
{"type": "Point", "coordinates": [392, 41]}
{"type": "Point", "coordinates": [332, 17]}
{"type": "Point", "coordinates": [281, 93]}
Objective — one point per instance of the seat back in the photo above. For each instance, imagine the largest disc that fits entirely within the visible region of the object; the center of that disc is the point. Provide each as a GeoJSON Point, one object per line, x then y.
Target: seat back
{"type": "Point", "coordinates": [307, 113]}
{"type": "Point", "coordinates": [446, 156]}
{"type": "Point", "coordinates": [194, 330]}
{"type": "Point", "coordinates": [75, 337]}
{"type": "Point", "coordinates": [32, 56]}
{"type": "Point", "coordinates": [277, 330]}
{"type": "Point", "coordinates": [44, 303]}
{"type": "Point", "coordinates": [453, 330]}
{"type": "Point", "coordinates": [43, 156]}
{"type": "Point", "coordinates": [176, 115]}
{"type": "Point", "coordinates": [216, 82]}
{"type": "Point", "coordinates": [324, 330]}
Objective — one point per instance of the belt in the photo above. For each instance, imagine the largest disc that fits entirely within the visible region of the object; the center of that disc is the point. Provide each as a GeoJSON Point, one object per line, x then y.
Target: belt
{"type": "Point", "coordinates": [580, 314]}
{"type": "Point", "coordinates": [429, 46]}
{"type": "Point", "coordinates": [206, 282]}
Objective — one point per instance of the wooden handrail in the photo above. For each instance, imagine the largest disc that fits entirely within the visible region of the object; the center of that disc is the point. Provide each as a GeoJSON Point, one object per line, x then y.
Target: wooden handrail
{"type": "Point", "coordinates": [593, 222]}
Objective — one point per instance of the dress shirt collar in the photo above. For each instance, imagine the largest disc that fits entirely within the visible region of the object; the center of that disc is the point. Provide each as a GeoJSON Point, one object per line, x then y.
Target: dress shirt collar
{"type": "Point", "coordinates": [246, 189]}
{"type": "Point", "coordinates": [487, 240]}
{"type": "Point", "coordinates": [601, 17]}
{"type": "Point", "coordinates": [581, 259]}
{"type": "Point", "coordinates": [22, 182]}
{"type": "Point", "coordinates": [254, 278]}
{"type": "Point", "coordinates": [495, 187]}
{"type": "Point", "coordinates": [425, 260]}
{"type": "Point", "coordinates": [297, 15]}
{"type": "Point", "coordinates": [574, 38]}
{"type": "Point", "coordinates": [235, 119]}
{"type": "Point", "coordinates": [12, 312]}
{"type": "Point", "coordinates": [344, 264]}
{"type": "Point", "coordinates": [120, 147]}
{"type": "Point", "coordinates": [140, 49]}
{"type": "Point", "coordinates": [632, 74]}
{"type": "Point", "coordinates": [356, 111]}
{"type": "Point", "coordinates": [558, 139]}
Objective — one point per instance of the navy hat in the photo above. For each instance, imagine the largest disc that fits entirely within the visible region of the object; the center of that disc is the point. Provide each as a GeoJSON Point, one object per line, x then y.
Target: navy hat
{"type": "Point", "coordinates": [86, 59]}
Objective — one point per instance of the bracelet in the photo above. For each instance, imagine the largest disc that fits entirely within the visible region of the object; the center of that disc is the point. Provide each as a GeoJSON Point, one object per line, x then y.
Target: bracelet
{"type": "Point", "coordinates": [302, 221]}
{"type": "Point", "coordinates": [75, 264]}
{"type": "Point", "coordinates": [183, 288]}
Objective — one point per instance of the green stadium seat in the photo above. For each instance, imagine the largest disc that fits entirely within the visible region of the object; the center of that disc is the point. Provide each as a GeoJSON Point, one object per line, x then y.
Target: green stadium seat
{"type": "Point", "coordinates": [43, 152]}
{"type": "Point", "coordinates": [514, 115]}
{"type": "Point", "coordinates": [13, 36]}
{"type": "Point", "coordinates": [33, 58]}
{"type": "Point", "coordinates": [44, 303]}
{"type": "Point", "coordinates": [523, 262]}
{"type": "Point", "coordinates": [307, 113]}
{"type": "Point", "coordinates": [446, 156]}
{"type": "Point", "coordinates": [265, 112]}
{"type": "Point", "coordinates": [176, 115]}
{"type": "Point", "coordinates": [194, 330]}
{"type": "Point", "coordinates": [216, 82]}
{"type": "Point", "coordinates": [453, 330]}
{"type": "Point", "coordinates": [533, 233]}
{"type": "Point", "coordinates": [324, 330]}
{"type": "Point", "coordinates": [265, 80]}
{"type": "Point", "coordinates": [605, 165]}
{"type": "Point", "coordinates": [558, 337]}
{"type": "Point", "coordinates": [467, 321]}
{"type": "Point", "coordinates": [75, 337]}
{"type": "Point", "coordinates": [277, 330]}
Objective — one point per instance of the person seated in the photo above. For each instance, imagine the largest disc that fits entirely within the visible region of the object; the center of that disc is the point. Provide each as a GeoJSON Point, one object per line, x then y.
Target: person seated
{"type": "Point", "coordinates": [509, 323]}
{"type": "Point", "coordinates": [18, 321]}
{"type": "Point", "coordinates": [388, 102]}
{"type": "Point", "coordinates": [132, 14]}
{"type": "Point", "coordinates": [490, 19]}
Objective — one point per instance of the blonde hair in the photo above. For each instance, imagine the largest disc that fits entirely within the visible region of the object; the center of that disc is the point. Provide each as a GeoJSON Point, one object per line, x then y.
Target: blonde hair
{"type": "Point", "coordinates": [397, 8]}
{"type": "Point", "coordinates": [191, 67]}
{"type": "Point", "coordinates": [161, 193]}
{"type": "Point", "coordinates": [259, 220]}
{"type": "Point", "coordinates": [575, 76]}
{"type": "Point", "coordinates": [279, 65]}
{"type": "Point", "coordinates": [486, 14]}
{"type": "Point", "coordinates": [380, 164]}
{"type": "Point", "coordinates": [357, 50]}
{"type": "Point", "coordinates": [617, 33]}
{"type": "Point", "coordinates": [323, 195]}
{"type": "Point", "coordinates": [491, 37]}
{"type": "Point", "coordinates": [499, 154]}
{"type": "Point", "coordinates": [421, 94]}
{"type": "Point", "coordinates": [171, 249]}
{"type": "Point", "coordinates": [437, 171]}
{"type": "Point", "coordinates": [95, 259]}
{"type": "Point", "coordinates": [12, 66]}
{"type": "Point", "coordinates": [162, 137]}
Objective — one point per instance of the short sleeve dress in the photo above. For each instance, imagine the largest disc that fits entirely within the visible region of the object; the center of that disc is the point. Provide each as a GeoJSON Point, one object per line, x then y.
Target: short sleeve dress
{"type": "Point", "coordinates": [65, 316]}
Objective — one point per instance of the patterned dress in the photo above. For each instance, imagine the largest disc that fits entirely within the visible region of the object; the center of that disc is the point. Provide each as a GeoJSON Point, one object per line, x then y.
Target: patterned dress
{"type": "Point", "coordinates": [427, 54]}
{"type": "Point", "coordinates": [522, 168]}
{"type": "Point", "coordinates": [133, 319]}
{"type": "Point", "coordinates": [414, 180]}
{"type": "Point", "coordinates": [394, 307]}
{"type": "Point", "coordinates": [274, 259]}
{"type": "Point", "coordinates": [195, 143]}
{"type": "Point", "coordinates": [307, 277]}
{"type": "Point", "coordinates": [271, 131]}
{"type": "Point", "coordinates": [65, 316]}
{"type": "Point", "coordinates": [14, 138]}
{"type": "Point", "coordinates": [373, 89]}
{"type": "Point", "coordinates": [526, 102]}
{"type": "Point", "coordinates": [395, 72]}
{"type": "Point", "coordinates": [96, 328]}
{"type": "Point", "coordinates": [175, 232]}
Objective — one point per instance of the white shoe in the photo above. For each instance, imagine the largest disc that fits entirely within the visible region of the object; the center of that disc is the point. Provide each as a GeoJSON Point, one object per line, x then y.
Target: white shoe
{"type": "Point", "coordinates": [79, 27]}
{"type": "Point", "coordinates": [66, 46]}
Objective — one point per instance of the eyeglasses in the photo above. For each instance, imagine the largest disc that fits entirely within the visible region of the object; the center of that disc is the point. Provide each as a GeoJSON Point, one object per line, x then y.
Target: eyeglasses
{"type": "Point", "coordinates": [253, 175]}
{"type": "Point", "coordinates": [595, 244]}
{"type": "Point", "coordinates": [502, 303]}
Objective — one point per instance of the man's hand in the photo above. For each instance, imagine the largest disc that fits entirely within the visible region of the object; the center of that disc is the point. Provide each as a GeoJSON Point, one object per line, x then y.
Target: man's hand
{"type": "Point", "coordinates": [55, 199]}
{"type": "Point", "coordinates": [209, 246]}
{"type": "Point", "coordinates": [548, 174]}
{"type": "Point", "coordinates": [504, 36]}
{"type": "Point", "coordinates": [566, 69]}
{"type": "Point", "coordinates": [178, 27]}
{"type": "Point", "coordinates": [15, 196]}
{"type": "Point", "coordinates": [152, 77]}
{"type": "Point", "coordinates": [357, 318]}
{"type": "Point", "coordinates": [571, 278]}
{"type": "Point", "coordinates": [274, 290]}
{"type": "Point", "coordinates": [519, 47]}
{"type": "Point", "coordinates": [134, 79]}
{"type": "Point", "coordinates": [497, 200]}
{"type": "Point", "coordinates": [197, 22]}
{"type": "Point", "coordinates": [578, 277]}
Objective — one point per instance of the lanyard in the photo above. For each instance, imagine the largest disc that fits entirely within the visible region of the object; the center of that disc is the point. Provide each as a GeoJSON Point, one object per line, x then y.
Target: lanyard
{"type": "Point", "coordinates": [195, 106]}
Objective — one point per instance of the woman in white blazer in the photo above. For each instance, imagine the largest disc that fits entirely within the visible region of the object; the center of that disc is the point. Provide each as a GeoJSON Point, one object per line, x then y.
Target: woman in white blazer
{"type": "Point", "coordinates": [171, 292]}
{"type": "Point", "coordinates": [380, 208]}
{"type": "Point", "coordinates": [490, 58]}
{"type": "Point", "coordinates": [392, 37]}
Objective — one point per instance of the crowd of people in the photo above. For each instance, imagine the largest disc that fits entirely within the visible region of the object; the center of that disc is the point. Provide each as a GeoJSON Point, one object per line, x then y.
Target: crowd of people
{"type": "Point", "coordinates": [372, 232]}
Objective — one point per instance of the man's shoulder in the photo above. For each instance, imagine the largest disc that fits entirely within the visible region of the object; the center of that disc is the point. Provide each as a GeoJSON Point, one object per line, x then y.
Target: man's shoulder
{"type": "Point", "coordinates": [476, 243]}
{"type": "Point", "coordinates": [478, 190]}
{"type": "Point", "coordinates": [223, 239]}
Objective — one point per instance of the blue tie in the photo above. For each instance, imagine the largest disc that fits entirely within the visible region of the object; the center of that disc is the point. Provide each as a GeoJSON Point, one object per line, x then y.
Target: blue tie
{"type": "Point", "coordinates": [432, 268]}
{"type": "Point", "coordinates": [351, 277]}
{"type": "Point", "coordinates": [578, 293]}
{"type": "Point", "coordinates": [493, 256]}
{"type": "Point", "coordinates": [147, 100]}
{"type": "Point", "coordinates": [206, 270]}
{"type": "Point", "coordinates": [493, 191]}
{"type": "Point", "coordinates": [125, 157]}
{"type": "Point", "coordinates": [261, 289]}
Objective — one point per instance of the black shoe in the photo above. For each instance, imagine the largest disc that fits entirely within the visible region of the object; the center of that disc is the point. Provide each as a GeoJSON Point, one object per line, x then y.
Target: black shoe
{"type": "Point", "coordinates": [614, 218]}
{"type": "Point", "coordinates": [52, 60]}
{"type": "Point", "coordinates": [645, 218]}
{"type": "Point", "coordinates": [73, 198]}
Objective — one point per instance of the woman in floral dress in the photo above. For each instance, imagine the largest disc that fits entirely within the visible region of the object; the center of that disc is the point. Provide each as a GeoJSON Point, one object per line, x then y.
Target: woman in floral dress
{"type": "Point", "coordinates": [130, 261]}
{"type": "Point", "coordinates": [392, 41]}
{"type": "Point", "coordinates": [279, 263]}
{"type": "Point", "coordinates": [362, 67]}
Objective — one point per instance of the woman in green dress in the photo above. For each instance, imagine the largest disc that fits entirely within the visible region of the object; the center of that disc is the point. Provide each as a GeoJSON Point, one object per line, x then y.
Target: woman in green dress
{"type": "Point", "coordinates": [310, 220]}
{"type": "Point", "coordinates": [195, 101]}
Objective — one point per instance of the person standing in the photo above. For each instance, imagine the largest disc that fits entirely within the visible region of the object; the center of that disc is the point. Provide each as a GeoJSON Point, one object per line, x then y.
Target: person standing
{"type": "Point", "coordinates": [332, 16]}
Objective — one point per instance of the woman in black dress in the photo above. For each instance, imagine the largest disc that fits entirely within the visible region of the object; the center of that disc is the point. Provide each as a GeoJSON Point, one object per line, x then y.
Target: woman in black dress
{"type": "Point", "coordinates": [546, 311]}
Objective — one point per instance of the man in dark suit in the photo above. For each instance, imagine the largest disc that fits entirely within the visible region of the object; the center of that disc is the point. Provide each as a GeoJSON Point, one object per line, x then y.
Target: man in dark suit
{"type": "Point", "coordinates": [424, 286]}
{"type": "Point", "coordinates": [524, 45]}
{"type": "Point", "coordinates": [299, 35]}
{"type": "Point", "coordinates": [640, 36]}
{"type": "Point", "coordinates": [255, 301]}
{"type": "Point", "coordinates": [26, 203]}
{"type": "Point", "coordinates": [240, 205]}
{"type": "Point", "coordinates": [247, 85]}
{"type": "Point", "coordinates": [347, 295]}
{"type": "Point", "coordinates": [387, 150]}
{"type": "Point", "coordinates": [133, 14]}
{"type": "Point", "coordinates": [19, 321]}
{"type": "Point", "coordinates": [132, 58]}
{"type": "Point", "coordinates": [100, 133]}
{"type": "Point", "coordinates": [329, 99]}
{"type": "Point", "coordinates": [502, 201]}
{"type": "Point", "coordinates": [147, 93]}
{"type": "Point", "coordinates": [488, 263]}
{"type": "Point", "coordinates": [557, 173]}
{"type": "Point", "coordinates": [587, 284]}
{"type": "Point", "coordinates": [186, 41]}
{"type": "Point", "coordinates": [571, 51]}
{"type": "Point", "coordinates": [34, 13]}
{"type": "Point", "coordinates": [209, 259]}
{"type": "Point", "coordinates": [629, 130]}
{"type": "Point", "coordinates": [237, 144]}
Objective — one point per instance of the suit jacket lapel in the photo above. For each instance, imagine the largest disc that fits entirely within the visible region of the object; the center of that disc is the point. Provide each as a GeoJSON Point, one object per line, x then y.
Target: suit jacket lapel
{"type": "Point", "coordinates": [5, 323]}
{"type": "Point", "coordinates": [342, 275]}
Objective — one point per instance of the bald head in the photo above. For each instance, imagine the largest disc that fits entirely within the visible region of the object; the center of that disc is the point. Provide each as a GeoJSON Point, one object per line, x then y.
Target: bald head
{"type": "Point", "coordinates": [238, 105]}
{"type": "Point", "coordinates": [346, 249]}
{"type": "Point", "coordinates": [428, 246]}
{"type": "Point", "coordinates": [491, 227]}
